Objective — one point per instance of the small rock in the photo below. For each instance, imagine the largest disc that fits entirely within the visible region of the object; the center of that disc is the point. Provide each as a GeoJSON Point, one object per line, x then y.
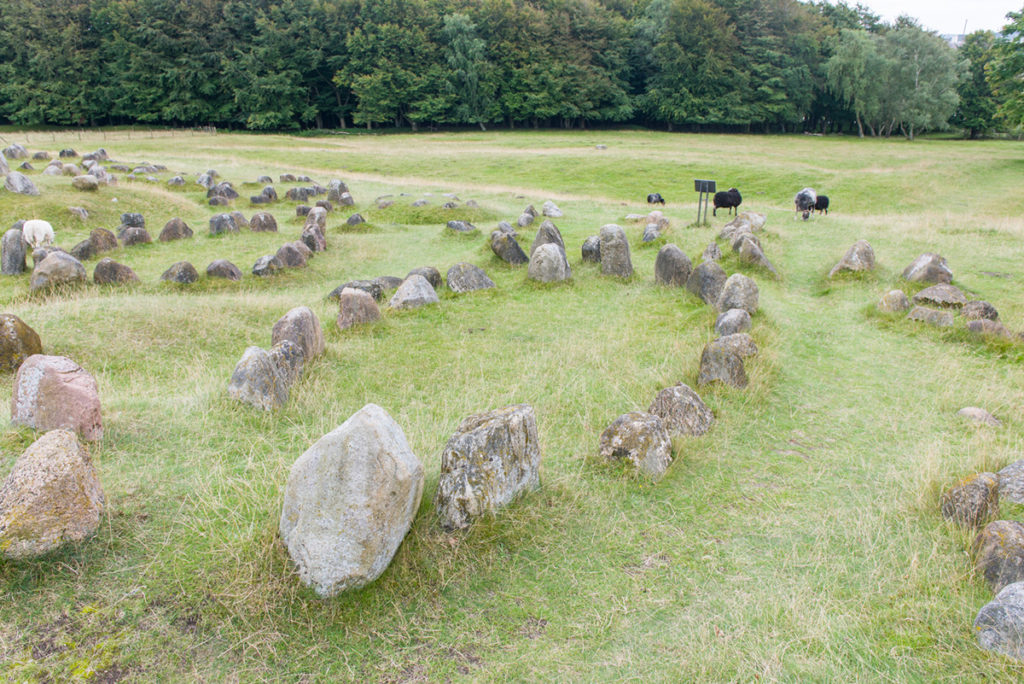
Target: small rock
{"type": "Point", "coordinates": [983, 326]}
{"type": "Point", "coordinates": [711, 253]}
{"type": "Point", "coordinates": [999, 553]}
{"type": "Point", "coordinates": [301, 326]}
{"type": "Point", "coordinates": [432, 275]}
{"type": "Point", "coordinates": [175, 229]}
{"type": "Point", "coordinates": [591, 250]}
{"type": "Point", "coordinates": [355, 220]}
{"type": "Point", "coordinates": [977, 309]}
{"type": "Point", "coordinates": [740, 344]}
{"type": "Point", "coordinates": [651, 233]}
{"type": "Point", "coordinates": [133, 220]}
{"type": "Point", "coordinates": [547, 233]}
{"type": "Point", "coordinates": [732, 321]}
{"type": "Point", "coordinates": [682, 411]}
{"type": "Point", "coordinates": [222, 223]}
{"type": "Point", "coordinates": [461, 226]}
{"type": "Point", "coordinates": [86, 183]}
{"type": "Point", "coordinates": [942, 319]}
{"type": "Point", "coordinates": [894, 301]}
{"type": "Point", "coordinates": [239, 219]}
{"type": "Point", "coordinates": [973, 501]}
{"type": "Point", "coordinates": [978, 415]}
{"type": "Point", "coordinates": [263, 379]}
{"type": "Point", "coordinates": [17, 342]}
{"type": "Point", "coordinates": [370, 287]}
{"type": "Point", "coordinates": [222, 268]}
{"type": "Point", "coordinates": [181, 272]}
{"type": "Point", "coordinates": [317, 216]}
{"type": "Point", "coordinates": [391, 282]}
{"type": "Point", "coordinates": [465, 277]}
{"type": "Point", "coordinates": [356, 307]}
{"type": "Point", "coordinates": [928, 268]}
{"type": "Point", "coordinates": [102, 240]}
{"type": "Point", "coordinates": [109, 272]}
{"type": "Point", "coordinates": [54, 392]}
{"type": "Point", "coordinates": [505, 247]}
{"type": "Point", "coordinates": [551, 210]}
{"type": "Point", "coordinates": [641, 439]}
{"type": "Point", "coordinates": [136, 236]}
{"type": "Point", "coordinates": [413, 293]}
{"type": "Point", "coordinates": [1011, 482]}
{"type": "Point", "coordinates": [750, 252]}
{"type": "Point", "coordinates": [860, 257]}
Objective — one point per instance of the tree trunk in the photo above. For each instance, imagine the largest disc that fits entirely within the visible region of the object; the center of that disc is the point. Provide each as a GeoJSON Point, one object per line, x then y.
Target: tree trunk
{"type": "Point", "coordinates": [860, 128]}
{"type": "Point", "coordinates": [481, 124]}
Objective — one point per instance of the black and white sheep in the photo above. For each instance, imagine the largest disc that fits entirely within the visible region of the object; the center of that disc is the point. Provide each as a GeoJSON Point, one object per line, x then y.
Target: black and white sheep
{"type": "Point", "coordinates": [821, 204]}
{"type": "Point", "coordinates": [730, 199]}
{"type": "Point", "coordinates": [655, 198]}
{"type": "Point", "coordinates": [805, 201]}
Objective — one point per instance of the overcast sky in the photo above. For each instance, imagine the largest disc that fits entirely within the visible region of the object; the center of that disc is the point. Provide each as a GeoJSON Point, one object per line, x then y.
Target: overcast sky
{"type": "Point", "coordinates": [947, 16]}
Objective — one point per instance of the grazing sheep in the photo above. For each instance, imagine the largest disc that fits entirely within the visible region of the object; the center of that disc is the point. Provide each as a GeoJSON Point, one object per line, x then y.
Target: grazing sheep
{"type": "Point", "coordinates": [37, 233]}
{"type": "Point", "coordinates": [655, 198]}
{"type": "Point", "coordinates": [730, 199]}
{"type": "Point", "coordinates": [805, 201]}
{"type": "Point", "coordinates": [821, 204]}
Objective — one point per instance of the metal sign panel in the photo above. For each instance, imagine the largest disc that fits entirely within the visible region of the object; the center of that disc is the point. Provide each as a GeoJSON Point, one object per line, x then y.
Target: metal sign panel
{"type": "Point", "coordinates": [704, 185]}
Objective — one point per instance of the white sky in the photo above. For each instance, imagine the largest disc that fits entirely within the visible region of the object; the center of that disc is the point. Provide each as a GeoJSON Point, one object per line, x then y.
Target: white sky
{"type": "Point", "coordinates": [947, 16]}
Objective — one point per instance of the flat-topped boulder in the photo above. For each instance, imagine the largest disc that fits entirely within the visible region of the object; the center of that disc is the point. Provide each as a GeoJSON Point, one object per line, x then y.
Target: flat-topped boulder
{"type": "Point", "coordinates": [941, 295]}
{"type": "Point", "coordinates": [465, 277]}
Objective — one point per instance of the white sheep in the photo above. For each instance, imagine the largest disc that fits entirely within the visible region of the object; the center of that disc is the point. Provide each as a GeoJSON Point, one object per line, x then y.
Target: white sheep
{"type": "Point", "coordinates": [37, 233]}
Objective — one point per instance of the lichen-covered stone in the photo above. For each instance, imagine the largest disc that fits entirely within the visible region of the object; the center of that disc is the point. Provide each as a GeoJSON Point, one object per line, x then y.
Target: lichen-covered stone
{"type": "Point", "coordinates": [732, 321]}
{"type": "Point", "coordinates": [54, 392]}
{"type": "Point", "coordinates": [943, 295]}
{"type": "Point", "coordinates": [57, 269]}
{"type": "Point", "coordinates": [615, 256]}
{"type": "Point", "coordinates": [465, 277]}
{"type": "Point", "coordinates": [182, 272]}
{"type": "Point", "coordinates": [941, 319]}
{"type": "Point", "coordinates": [349, 501]}
{"type": "Point", "coordinates": [1000, 623]}
{"type": "Point", "coordinates": [707, 281]}
{"type": "Point", "coordinates": [977, 310]}
{"type": "Point", "coordinates": [641, 439]}
{"type": "Point", "coordinates": [859, 258]}
{"type": "Point", "coordinates": [928, 268]}
{"type": "Point", "coordinates": [175, 229]}
{"type": "Point", "coordinates": [738, 292]}
{"type": "Point", "coordinates": [739, 343]}
{"type": "Point", "coordinates": [720, 364]}
{"type": "Point", "coordinates": [672, 267]}
{"type": "Point", "coordinates": [505, 247]}
{"type": "Point", "coordinates": [894, 301]}
{"type": "Point", "coordinates": [263, 379]}
{"type": "Point", "coordinates": [51, 497]}
{"type": "Point", "coordinates": [999, 553]}
{"type": "Point", "coordinates": [109, 272]}
{"type": "Point", "coordinates": [548, 264]}
{"type": "Point", "coordinates": [984, 326]}
{"type": "Point", "coordinates": [973, 501]}
{"type": "Point", "coordinates": [301, 326]}
{"type": "Point", "coordinates": [1011, 482]}
{"type": "Point", "coordinates": [356, 307]}
{"type": "Point", "coordinates": [267, 265]}
{"type": "Point", "coordinates": [17, 342]}
{"type": "Point", "coordinates": [491, 459]}
{"type": "Point", "coordinates": [413, 293]}
{"type": "Point", "coordinates": [682, 411]}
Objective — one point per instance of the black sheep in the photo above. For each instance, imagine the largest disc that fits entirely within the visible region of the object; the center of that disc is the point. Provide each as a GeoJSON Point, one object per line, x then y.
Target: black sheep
{"type": "Point", "coordinates": [655, 198]}
{"type": "Point", "coordinates": [730, 199]}
{"type": "Point", "coordinates": [805, 201]}
{"type": "Point", "coordinates": [821, 204]}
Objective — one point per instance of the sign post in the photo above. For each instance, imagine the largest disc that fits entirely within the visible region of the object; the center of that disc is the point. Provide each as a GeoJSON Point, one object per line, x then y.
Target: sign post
{"type": "Point", "coordinates": [705, 188]}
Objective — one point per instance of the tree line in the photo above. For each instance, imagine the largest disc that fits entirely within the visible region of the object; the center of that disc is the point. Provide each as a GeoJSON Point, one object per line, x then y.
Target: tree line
{"type": "Point", "coordinates": [724, 65]}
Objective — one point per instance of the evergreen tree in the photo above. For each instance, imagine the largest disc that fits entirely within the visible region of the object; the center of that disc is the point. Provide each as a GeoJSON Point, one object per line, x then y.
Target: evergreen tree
{"type": "Point", "coordinates": [977, 109]}
{"type": "Point", "coordinates": [1006, 70]}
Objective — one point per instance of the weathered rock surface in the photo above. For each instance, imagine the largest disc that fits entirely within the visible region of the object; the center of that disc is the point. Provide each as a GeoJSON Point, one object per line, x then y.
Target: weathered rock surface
{"type": "Point", "coordinates": [711, 253]}
{"type": "Point", "coordinates": [894, 301]}
{"type": "Point", "coordinates": [413, 293]}
{"type": "Point", "coordinates": [720, 364]}
{"type": "Point", "coordinates": [432, 275]}
{"type": "Point", "coordinates": [182, 272]}
{"type": "Point", "coordinates": [461, 227]}
{"type": "Point", "coordinates": [1011, 482]}
{"type": "Point", "coordinates": [750, 252]}
{"type": "Point", "coordinates": [978, 415]}
{"type": "Point", "coordinates": [263, 222]}
{"type": "Point", "coordinates": [222, 223]}
{"type": "Point", "coordinates": [86, 182]}
{"type": "Point", "coordinates": [550, 209]}
{"type": "Point", "coordinates": [465, 277]}
{"type": "Point", "coordinates": [301, 326]}
{"type": "Point", "coordinates": [983, 326]}
{"type": "Point", "coordinates": [51, 497]}
{"type": "Point", "coordinates": [505, 247]}
{"type": "Point", "coordinates": [491, 459]}
{"type": "Point", "coordinates": [977, 310]}
{"type": "Point", "coordinates": [291, 256]}
{"type": "Point", "coordinates": [707, 281]}
{"type": "Point", "coordinates": [615, 256]}
{"type": "Point", "coordinates": [391, 282]}
{"type": "Point", "coordinates": [923, 314]}
{"type": "Point", "coordinates": [13, 252]}
{"type": "Point", "coordinates": [222, 268]}
{"type": "Point", "coordinates": [738, 292]}
{"type": "Point", "coordinates": [548, 264]}
{"type": "Point", "coordinates": [641, 439]}
{"type": "Point", "coordinates": [928, 268]}
{"type": "Point", "coordinates": [1000, 623]}
{"type": "Point", "coordinates": [370, 287]}
{"type": "Point", "coordinates": [739, 343]}
{"type": "Point", "coordinates": [591, 249]}
{"type": "Point", "coordinates": [54, 392]}
{"type": "Point", "coordinates": [175, 229]}
{"type": "Point", "coordinates": [942, 295]}
{"type": "Point", "coordinates": [135, 236]}
{"type": "Point", "coordinates": [314, 238]}
{"type": "Point", "coordinates": [57, 269]}
{"type": "Point", "coordinates": [263, 378]}
{"type": "Point", "coordinates": [17, 342]}
{"type": "Point", "coordinates": [547, 233]}
{"type": "Point", "coordinates": [349, 501]}
{"type": "Point", "coordinates": [682, 411]}
{"type": "Point", "coordinates": [973, 501]}
{"type": "Point", "coordinates": [102, 240]}
{"type": "Point", "coordinates": [109, 272]}
{"type": "Point", "coordinates": [732, 321]}
{"type": "Point", "coordinates": [18, 183]}
{"type": "Point", "coordinates": [267, 265]}
{"type": "Point", "coordinates": [672, 267]}
{"type": "Point", "coordinates": [859, 258]}
{"type": "Point", "coordinates": [999, 553]}
{"type": "Point", "coordinates": [356, 307]}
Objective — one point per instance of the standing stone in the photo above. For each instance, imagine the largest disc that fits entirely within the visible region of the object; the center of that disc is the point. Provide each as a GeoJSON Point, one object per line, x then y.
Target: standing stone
{"type": "Point", "coordinates": [17, 342]}
{"type": "Point", "coordinates": [707, 281]}
{"type": "Point", "coordinates": [550, 209]}
{"type": "Point", "coordinates": [182, 272]}
{"type": "Point", "coordinates": [4, 167]}
{"type": "Point", "coordinates": [682, 411]}
{"type": "Point", "coordinates": [548, 233]}
{"type": "Point", "coordinates": [615, 259]}
{"type": "Point", "coordinates": [102, 240]}
{"type": "Point", "coordinates": [334, 190]}
{"type": "Point", "coordinates": [524, 220]}
{"type": "Point", "coordinates": [314, 238]}
{"type": "Point", "coordinates": [928, 268]}
{"type": "Point", "coordinates": [1011, 482]}
{"type": "Point", "coordinates": [413, 293]}
{"type": "Point", "coordinates": [136, 236]}
{"type": "Point", "coordinates": [719, 364]}
{"type": "Point", "coordinates": [591, 249]}
{"type": "Point", "coordinates": [349, 501]}
{"type": "Point", "coordinates": [672, 267]}
{"type": "Point", "coordinates": [999, 553]}
{"type": "Point", "coordinates": [860, 257]}
{"type": "Point", "coordinates": [491, 459]}
{"type": "Point", "coordinates": [505, 247]}
{"type": "Point", "coordinates": [54, 392]}
{"type": "Point", "coordinates": [641, 439]}
{"type": "Point", "coordinates": [711, 253]}
{"type": "Point", "coordinates": [978, 310]}
{"type": "Point", "coordinates": [738, 343]}
{"type": "Point", "coordinates": [356, 307]}
{"type": "Point", "coordinates": [12, 253]}
{"type": "Point", "coordinates": [465, 277]}
{"type": "Point", "coordinates": [267, 265]}
{"type": "Point", "coordinates": [973, 501]}
{"type": "Point", "coordinates": [57, 268]}
{"type": "Point", "coordinates": [739, 292]}
{"type": "Point", "coordinates": [732, 321]}
{"type": "Point", "coordinates": [894, 301]}
{"type": "Point", "coordinates": [317, 216]}
{"type": "Point", "coordinates": [51, 497]}
{"type": "Point", "coordinates": [291, 256]}
{"type": "Point", "coordinates": [262, 379]}
{"type": "Point", "coordinates": [370, 287]}
{"type": "Point", "coordinates": [749, 250]}
{"type": "Point", "coordinates": [1000, 623]}
{"type": "Point", "coordinates": [175, 229]}
{"type": "Point", "coordinates": [222, 223]}
{"type": "Point", "coordinates": [356, 219]}
{"type": "Point", "coordinates": [432, 275]}
{"type": "Point", "coordinates": [18, 183]}
{"type": "Point", "coordinates": [222, 268]}
{"type": "Point", "coordinates": [109, 272]}
{"type": "Point", "coordinates": [651, 233]}
{"type": "Point", "coordinates": [301, 326]}
{"type": "Point", "coordinates": [85, 183]}
{"type": "Point", "coordinates": [548, 264]}
{"type": "Point", "coordinates": [133, 220]}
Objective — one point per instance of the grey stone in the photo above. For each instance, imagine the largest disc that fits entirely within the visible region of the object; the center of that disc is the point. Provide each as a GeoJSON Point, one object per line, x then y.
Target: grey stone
{"type": "Point", "coordinates": [301, 326]}
{"type": "Point", "coordinates": [491, 459]}
{"type": "Point", "coordinates": [133, 220]}
{"type": "Point", "coordinates": [973, 501]}
{"type": "Point", "coordinates": [314, 238]}
{"type": "Point", "coordinates": [109, 272]}
{"type": "Point", "coordinates": [547, 233]}
{"type": "Point", "coordinates": [176, 182]}
{"type": "Point", "coordinates": [978, 309]}
{"type": "Point", "coordinates": [928, 268]}
{"type": "Point", "coordinates": [860, 257]}
{"type": "Point", "coordinates": [682, 411]}
{"type": "Point", "coordinates": [4, 167]}
{"type": "Point", "coordinates": [136, 236]}
{"type": "Point", "coordinates": [750, 252]}
{"type": "Point", "coordinates": [182, 272]}
{"type": "Point", "coordinates": [732, 321]}
{"type": "Point", "coordinates": [551, 210]}
{"type": "Point", "coordinates": [738, 292]}
{"type": "Point", "coordinates": [1000, 623]}
{"type": "Point", "coordinates": [461, 226]}
{"type": "Point", "coordinates": [591, 249]}
{"type": "Point", "coordinates": [18, 341]}
{"type": "Point", "coordinates": [86, 183]}
{"type": "Point", "coordinates": [222, 268]}
{"type": "Point", "coordinates": [334, 191]}
{"type": "Point", "coordinates": [672, 267]}
{"type": "Point", "coordinates": [548, 264]}
{"type": "Point", "coordinates": [942, 295]}
{"type": "Point", "coordinates": [505, 247]}
{"type": "Point", "coordinates": [56, 269]}
{"type": "Point", "coordinates": [942, 319]}
{"type": "Point", "coordinates": [222, 223]}
{"type": "Point", "coordinates": [303, 210]}
{"type": "Point", "coordinates": [465, 277]}
{"type": "Point", "coordinates": [720, 364]}
{"type": "Point", "coordinates": [978, 415]}
{"type": "Point", "coordinates": [432, 275]}
{"type": "Point", "coordinates": [13, 252]}
{"type": "Point", "coordinates": [651, 233]}
{"type": "Point", "coordinates": [391, 282]}
{"type": "Point", "coordinates": [79, 212]}
{"type": "Point", "coordinates": [641, 439]}
{"type": "Point", "coordinates": [707, 281]}
{"type": "Point", "coordinates": [615, 257]}
{"type": "Point", "coordinates": [1011, 482]}
{"type": "Point", "coordinates": [16, 151]}
{"type": "Point", "coordinates": [894, 301]}
{"type": "Point", "coordinates": [738, 343]}
{"type": "Point", "coordinates": [983, 326]}
{"type": "Point", "coordinates": [356, 307]}
{"type": "Point", "coordinates": [18, 183]}
{"type": "Point", "coordinates": [355, 220]}
{"type": "Point", "coordinates": [413, 293]}
{"type": "Point", "coordinates": [263, 379]}
{"type": "Point", "coordinates": [318, 216]}
{"type": "Point", "coordinates": [239, 219]}
{"type": "Point", "coordinates": [175, 229]}
{"type": "Point", "coordinates": [370, 287]}
{"type": "Point", "coordinates": [349, 501]}
{"type": "Point", "coordinates": [524, 220]}
{"type": "Point", "coordinates": [999, 553]}
{"type": "Point", "coordinates": [291, 256]}
{"type": "Point", "coordinates": [711, 253]}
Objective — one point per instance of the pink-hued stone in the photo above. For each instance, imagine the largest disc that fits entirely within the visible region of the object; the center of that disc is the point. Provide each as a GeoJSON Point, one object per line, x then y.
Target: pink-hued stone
{"type": "Point", "coordinates": [54, 392]}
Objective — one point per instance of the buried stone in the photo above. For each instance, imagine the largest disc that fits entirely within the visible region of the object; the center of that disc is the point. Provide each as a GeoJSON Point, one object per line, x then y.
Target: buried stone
{"type": "Point", "coordinates": [973, 501]}
{"type": "Point", "coordinates": [267, 265]}
{"type": "Point", "coordinates": [999, 553]}
{"type": "Point", "coordinates": [263, 379]}
{"type": "Point", "coordinates": [222, 268]}
{"type": "Point", "coordinates": [732, 321]}
{"type": "Point", "coordinates": [682, 411]}
{"type": "Point", "coordinates": [182, 272]}
{"type": "Point", "coordinates": [639, 439]}
{"type": "Point", "coordinates": [355, 308]}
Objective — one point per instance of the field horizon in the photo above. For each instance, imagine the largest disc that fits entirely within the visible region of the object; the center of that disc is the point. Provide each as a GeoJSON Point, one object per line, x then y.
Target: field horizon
{"type": "Point", "coordinates": [800, 539]}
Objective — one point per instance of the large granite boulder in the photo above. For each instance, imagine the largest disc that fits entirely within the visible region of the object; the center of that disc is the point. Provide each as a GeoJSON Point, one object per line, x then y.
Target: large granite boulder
{"type": "Point", "coordinates": [465, 277]}
{"type": "Point", "coordinates": [301, 326]}
{"type": "Point", "coordinates": [721, 364]}
{"type": "Point", "coordinates": [928, 268]}
{"type": "Point", "coordinates": [175, 229]}
{"type": "Point", "coordinates": [17, 342]}
{"type": "Point", "coordinates": [999, 553]}
{"type": "Point", "coordinates": [977, 309]}
{"type": "Point", "coordinates": [942, 295]}
{"type": "Point", "coordinates": [263, 379]}
{"type": "Point", "coordinates": [505, 247]}
{"type": "Point", "coordinates": [57, 269]}
{"type": "Point", "coordinates": [548, 264]}
{"type": "Point", "coordinates": [1000, 623]}
{"type": "Point", "coordinates": [615, 257]}
{"type": "Point", "coordinates": [13, 252]}
{"type": "Point", "coordinates": [672, 267]}
{"type": "Point", "coordinates": [640, 439]}
{"type": "Point", "coordinates": [860, 257]}
{"type": "Point", "coordinates": [51, 497]}
{"type": "Point", "coordinates": [349, 501]}
{"type": "Point", "coordinates": [54, 392]}
{"type": "Point", "coordinates": [973, 501]}
{"type": "Point", "coordinates": [707, 281]}
{"type": "Point", "coordinates": [18, 183]}
{"type": "Point", "coordinates": [222, 268]}
{"type": "Point", "coordinates": [182, 272]}
{"type": "Point", "coordinates": [682, 411]}
{"type": "Point", "coordinates": [491, 459]}
{"type": "Point", "coordinates": [356, 307]}
{"type": "Point", "coordinates": [291, 256]}
{"type": "Point", "coordinates": [738, 292]}
{"type": "Point", "coordinates": [109, 272]}
{"type": "Point", "coordinates": [85, 182]}
{"type": "Point", "coordinates": [413, 293]}
{"type": "Point", "coordinates": [432, 275]}
{"type": "Point", "coordinates": [314, 238]}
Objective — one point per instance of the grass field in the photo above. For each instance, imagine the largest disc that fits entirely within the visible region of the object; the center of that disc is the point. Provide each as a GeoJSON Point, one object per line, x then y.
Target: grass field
{"type": "Point", "coordinates": [799, 540]}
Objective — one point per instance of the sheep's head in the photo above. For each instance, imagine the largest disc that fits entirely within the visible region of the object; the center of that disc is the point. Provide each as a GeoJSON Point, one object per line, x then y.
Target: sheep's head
{"type": "Point", "coordinates": [806, 215]}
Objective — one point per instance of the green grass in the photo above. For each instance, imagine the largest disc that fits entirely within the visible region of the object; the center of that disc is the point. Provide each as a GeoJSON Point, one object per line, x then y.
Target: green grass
{"type": "Point", "coordinates": [799, 540]}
